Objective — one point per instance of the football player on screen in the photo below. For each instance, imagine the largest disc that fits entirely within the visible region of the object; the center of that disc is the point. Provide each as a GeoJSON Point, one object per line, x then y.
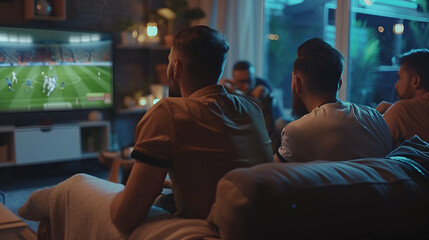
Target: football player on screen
{"type": "Point", "coordinates": [28, 85]}
{"type": "Point", "coordinates": [9, 84]}
{"type": "Point", "coordinates": [45, 82]}
{"type": "Point", "coordinates": [14, 79]}
{"type": "Point", "coordinates": [52, 85]}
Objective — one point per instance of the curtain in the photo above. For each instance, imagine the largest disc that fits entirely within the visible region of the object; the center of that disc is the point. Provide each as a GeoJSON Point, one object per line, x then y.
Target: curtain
{"type": "Point", "coordinates": [242, 24]}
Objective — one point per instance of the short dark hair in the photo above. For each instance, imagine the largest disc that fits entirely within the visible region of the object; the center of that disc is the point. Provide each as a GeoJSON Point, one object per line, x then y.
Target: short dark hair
{"type": "Point", "coordinates": [417, 60]}
{"type": "Point", "coordinates": [242, 65]}
{"type": "Point", "coordinates": [321, 64]}
{"type": "Point", "coordinates": [204, 50]}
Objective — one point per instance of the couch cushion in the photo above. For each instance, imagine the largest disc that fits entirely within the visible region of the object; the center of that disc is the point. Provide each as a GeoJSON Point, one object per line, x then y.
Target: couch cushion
{"type": "Point", "coordinates": [359, 198]}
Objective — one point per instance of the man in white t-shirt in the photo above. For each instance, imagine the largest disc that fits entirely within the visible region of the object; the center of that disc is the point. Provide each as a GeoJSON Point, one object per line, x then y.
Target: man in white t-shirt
{"type": "Point", "coordinates": [328, 128]}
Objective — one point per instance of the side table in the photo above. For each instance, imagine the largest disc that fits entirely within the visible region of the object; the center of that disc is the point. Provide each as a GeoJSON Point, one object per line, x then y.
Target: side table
{"type": "Point", "coordinates": [115, 161]}
{"type": "Point", "coordinates": [125, 164]}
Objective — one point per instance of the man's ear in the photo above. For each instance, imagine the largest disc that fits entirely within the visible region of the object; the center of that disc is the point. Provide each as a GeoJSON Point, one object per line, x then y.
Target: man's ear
{"type": "Point", "coordinates": [416, 81]}
{"type": "Point", "coordinates": [178, 68]}
{"type": "Point", "coordinates": [298, 84]}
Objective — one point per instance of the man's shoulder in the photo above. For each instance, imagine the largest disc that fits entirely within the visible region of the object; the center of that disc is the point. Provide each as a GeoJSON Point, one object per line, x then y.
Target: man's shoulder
{"type": "Point", "coordinates": [362, 109]}
{"type": "Point", "coordinates": [263, 82]}
{"type": "Point", "coordinates": [302, 124]}
{"type": "Point", "coordinates": [411, 101]}
{"type": "Point", "coordinates": [406, 105]}
{"type": "Point", "coordinates": [401, 104]}
{"type": "Point", "coordinates": [245, 101]}
{"type": "Point", "coordinates": [165, 104]}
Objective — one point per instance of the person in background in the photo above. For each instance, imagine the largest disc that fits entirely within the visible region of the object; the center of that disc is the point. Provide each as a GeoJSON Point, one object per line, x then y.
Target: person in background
{"type": "Point", "coordinates": [195, 138]}
{"type": "Point", "coordinates": [410, 115]}
{"type": "Point", "coordinates": [328, 128]}
{"type": "Point", "coordinates": [244, 82]}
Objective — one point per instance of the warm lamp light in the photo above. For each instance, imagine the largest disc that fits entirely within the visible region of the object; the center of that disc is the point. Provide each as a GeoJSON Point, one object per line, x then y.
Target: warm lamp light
{"type": "Point", "coordinates": [167, 13]}
{"type": "Point", "coordinates": [398, 28]}
{"type": "Point", "coordinates": [274, 37]}
{"type": "Point", "coordinates": [141, 38]}
{"type": "Point", "coordinates": [366, 2]}
{"type": "Point", "coordinates": [135, 33]}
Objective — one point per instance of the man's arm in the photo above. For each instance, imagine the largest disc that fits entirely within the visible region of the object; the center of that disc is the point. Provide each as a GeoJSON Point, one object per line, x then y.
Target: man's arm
{"type": "Point", "coordinates": [394, 118]}
{"type": "Point", "coordinates": [276, 158]}
{"type": "Point", "coordinates": [383, 106]}
{"type": "Point", "coordinates": [130, 207]}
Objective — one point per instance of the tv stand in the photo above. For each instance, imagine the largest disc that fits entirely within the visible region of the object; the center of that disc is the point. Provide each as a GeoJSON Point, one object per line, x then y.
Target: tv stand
{"type": "Point", "coordinates": [53, 143]}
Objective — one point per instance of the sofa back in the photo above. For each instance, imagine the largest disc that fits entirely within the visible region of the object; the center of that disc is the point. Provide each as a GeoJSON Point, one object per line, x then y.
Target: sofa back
{"type": "Point", "coordinates": [375, 197]}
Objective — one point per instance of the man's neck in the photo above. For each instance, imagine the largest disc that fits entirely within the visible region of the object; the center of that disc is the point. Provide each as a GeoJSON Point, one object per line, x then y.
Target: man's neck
{"type": "Point", "coordinates": [421, 92]}
{"type": "Point", "coordinates": [316, 102]}
{"type": "Point", "coordinates": [188, 88]}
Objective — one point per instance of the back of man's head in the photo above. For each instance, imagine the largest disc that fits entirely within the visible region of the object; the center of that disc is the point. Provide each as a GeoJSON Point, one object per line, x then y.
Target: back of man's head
{"type": "Point", "coordinates": [204, 52]}
{"type": "Point", "coordinates": [417, 61]}
{"type": "Point", "coordinates": [242, 65]}
{"type": "Point", "coordinates": [321, 65]}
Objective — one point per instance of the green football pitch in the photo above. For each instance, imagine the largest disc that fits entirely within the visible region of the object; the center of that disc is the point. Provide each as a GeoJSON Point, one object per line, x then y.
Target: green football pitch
{"type": "Point", "coordinates": [77, 87]}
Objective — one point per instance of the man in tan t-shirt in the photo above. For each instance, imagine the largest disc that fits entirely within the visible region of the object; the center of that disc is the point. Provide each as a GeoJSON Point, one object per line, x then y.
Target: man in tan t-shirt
{"type": "Point", "coordinates": [410, 115]}
{"type": "Point", "coordinates": [196, 138]}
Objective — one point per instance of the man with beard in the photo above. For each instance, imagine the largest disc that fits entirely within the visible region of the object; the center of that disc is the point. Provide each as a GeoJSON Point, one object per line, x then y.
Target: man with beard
{"type": "Point", "coordinates": [410, 115]}
{"type": "Point", "coordinates": [245, 83]}
{"type": "Point", "coordinates": [196, 138]}
{"type": "Point", "coordinates": [328, 128]}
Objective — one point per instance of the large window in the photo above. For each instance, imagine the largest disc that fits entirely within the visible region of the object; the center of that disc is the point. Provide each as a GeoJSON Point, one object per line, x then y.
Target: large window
{"type": "Point", "coordinates": [379, 31]}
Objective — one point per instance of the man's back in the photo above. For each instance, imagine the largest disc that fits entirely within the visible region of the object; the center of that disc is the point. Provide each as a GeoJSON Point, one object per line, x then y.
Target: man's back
{"type": "Point", "coordinates": [407, 118]}
{"type": "Point", "coordinates": [202, 137]}
{"type": "Point", "coordinates": [336, 131]}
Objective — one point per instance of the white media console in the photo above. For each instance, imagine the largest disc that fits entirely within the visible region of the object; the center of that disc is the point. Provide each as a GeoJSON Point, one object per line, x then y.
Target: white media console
{"type": "Point", "coordinates": [53, 143]}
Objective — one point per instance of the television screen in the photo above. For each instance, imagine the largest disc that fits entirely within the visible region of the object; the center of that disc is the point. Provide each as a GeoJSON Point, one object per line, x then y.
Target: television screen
{"type": "Point", "coordinates": [52, 69]}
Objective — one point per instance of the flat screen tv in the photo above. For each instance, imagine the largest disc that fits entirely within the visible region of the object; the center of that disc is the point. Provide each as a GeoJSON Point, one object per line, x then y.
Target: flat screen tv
{"type": "Point", "coordinates": [55, 70]}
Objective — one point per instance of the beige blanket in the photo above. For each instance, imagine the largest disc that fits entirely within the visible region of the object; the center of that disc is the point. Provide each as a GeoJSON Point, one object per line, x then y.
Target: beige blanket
{"type": "Point", "coordinates": [79, 208]}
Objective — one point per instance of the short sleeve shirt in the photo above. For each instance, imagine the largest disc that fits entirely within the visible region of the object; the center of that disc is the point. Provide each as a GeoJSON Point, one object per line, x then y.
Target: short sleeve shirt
{"type": "Point", "coordinates": [200, 138]}
{"type": "Point", "coordinates": [336, 131]}
{"type": "Point", "coordinates": [407, 118]}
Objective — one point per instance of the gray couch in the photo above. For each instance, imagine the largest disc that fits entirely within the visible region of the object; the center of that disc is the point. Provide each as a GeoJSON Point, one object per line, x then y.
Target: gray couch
{"type": "Point", "coordinates": [371, 198]}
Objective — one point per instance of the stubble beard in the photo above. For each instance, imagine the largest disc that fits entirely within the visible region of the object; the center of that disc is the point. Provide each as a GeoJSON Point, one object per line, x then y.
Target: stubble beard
{"type": "Point", "coordinates": [298, 107]}
{"type": "Point", "coordinates": [173, 87]}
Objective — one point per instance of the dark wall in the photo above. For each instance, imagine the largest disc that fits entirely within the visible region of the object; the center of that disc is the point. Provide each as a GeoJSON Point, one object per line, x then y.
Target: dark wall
{"type": "Point", "coordinates": [90, 14]}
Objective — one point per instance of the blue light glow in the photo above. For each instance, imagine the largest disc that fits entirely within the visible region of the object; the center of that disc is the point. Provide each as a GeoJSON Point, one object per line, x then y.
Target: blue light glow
{"type": "Point", "coordinates": [152, 29]}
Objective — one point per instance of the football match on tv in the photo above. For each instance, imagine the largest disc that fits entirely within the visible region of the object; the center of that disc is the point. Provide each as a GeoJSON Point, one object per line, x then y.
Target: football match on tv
{"type": "Point", "coordinates": [42, 70]}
